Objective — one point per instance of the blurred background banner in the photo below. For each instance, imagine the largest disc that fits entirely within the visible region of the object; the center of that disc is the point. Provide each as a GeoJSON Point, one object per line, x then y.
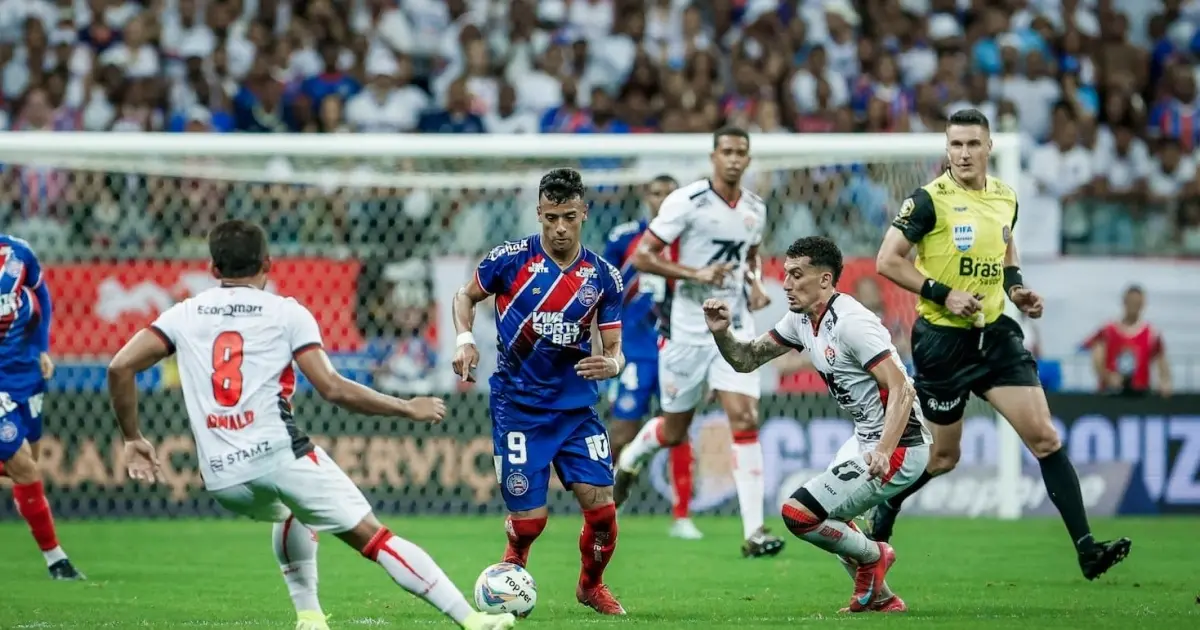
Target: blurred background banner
{"type": "Point", "coordinates": [1134, 457]}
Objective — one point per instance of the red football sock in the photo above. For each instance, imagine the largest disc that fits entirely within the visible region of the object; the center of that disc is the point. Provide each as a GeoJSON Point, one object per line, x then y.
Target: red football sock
{"type": "Point", "coordinates": [31, 503]}
{"type": "Point", "coordinates": [681, 479]}
{"type": "Point", "coordinates": [521, 534]}
{"type": "Point", "coordinates": [597, 544]}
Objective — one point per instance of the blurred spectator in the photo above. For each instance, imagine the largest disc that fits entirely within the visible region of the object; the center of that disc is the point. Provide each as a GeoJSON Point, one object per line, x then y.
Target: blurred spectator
{"type": "Point", "coordinates": [1125, 351]}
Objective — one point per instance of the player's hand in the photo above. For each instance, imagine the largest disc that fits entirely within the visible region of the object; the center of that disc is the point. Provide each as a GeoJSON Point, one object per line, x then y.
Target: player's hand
{"type": "Point", "coordinates": [715, 274]}
{"type": "Point", "coordinates": [758, 298]}
{"type": "Point", "coordinates": [47, 365]}
{"type": "Point", "coordinates": [1029, 302]}
{"type": "Point", "coordinates": [466, 359]}
{"type": "Point", "coordinates": [598, 368]}
{"type": "Point", "coordinates": [878, 464]}
{"type": "Point", "coordinates": [426, 409]}
{"type": "Point", "coordinates": [717, 315]}
{"type": "Point", "coordinates": [962, 303]}
{"type": "Point", "coordinates": [142, 462]}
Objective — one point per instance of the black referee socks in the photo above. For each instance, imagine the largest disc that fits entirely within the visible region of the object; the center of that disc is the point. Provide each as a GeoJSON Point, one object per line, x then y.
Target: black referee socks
{"type": "Point", "coordinates": [1063, 486]}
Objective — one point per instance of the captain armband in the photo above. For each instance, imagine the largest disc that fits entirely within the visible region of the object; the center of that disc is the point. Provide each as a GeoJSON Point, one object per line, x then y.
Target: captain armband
{"type": "Point", "coordinates": [935, 291]}
{"type": "Point", "coordinates": [1012, 278]}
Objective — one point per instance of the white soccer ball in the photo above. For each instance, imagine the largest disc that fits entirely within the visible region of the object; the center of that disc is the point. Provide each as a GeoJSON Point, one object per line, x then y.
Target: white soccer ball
{"type": "Point", "coordinates": [505, 588]}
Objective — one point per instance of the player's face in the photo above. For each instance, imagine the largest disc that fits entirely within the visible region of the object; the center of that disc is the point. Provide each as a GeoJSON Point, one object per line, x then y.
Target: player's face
{"type": "Point", "coordinates": [1134, 302]}
{"type": "Point", "coordinates": [968, 148]}
{"type": "Point", "coordinates": [561, 224]}
{"type": "Point", "coordinates": [655, 193]}
{"type": "Point", "coordinates": [806, 286]}
{"type": "Point", "coordinates": [730, 159]}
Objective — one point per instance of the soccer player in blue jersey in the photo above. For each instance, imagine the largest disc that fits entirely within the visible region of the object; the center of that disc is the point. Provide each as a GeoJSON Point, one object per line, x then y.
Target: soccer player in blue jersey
{"type": "Point", "coordinates": [632, 393]}
{"type": "Point", "coordinates": [549, 292]}
{"type": "Point", "coordinates": [24, 367]}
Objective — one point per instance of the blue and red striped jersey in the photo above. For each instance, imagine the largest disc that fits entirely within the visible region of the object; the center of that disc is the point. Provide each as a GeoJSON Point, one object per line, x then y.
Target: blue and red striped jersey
{"type": "Point", "coordinates": [20, 317]}
{"type": "Point", "coordinates": [544, 315]}
{"type": "Point", "coordinates": [644, 293]}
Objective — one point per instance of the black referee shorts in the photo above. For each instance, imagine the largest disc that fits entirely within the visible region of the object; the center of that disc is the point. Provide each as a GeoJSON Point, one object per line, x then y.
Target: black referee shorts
{"type": "Point", "coordinates": [951, 363]}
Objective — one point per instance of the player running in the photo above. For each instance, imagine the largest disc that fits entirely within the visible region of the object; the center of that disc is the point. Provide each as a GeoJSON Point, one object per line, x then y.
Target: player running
{"type": "Point", "coordinates": [25, 365]}
{"type": "Point", "coordinates": [853, 352]}
{"type": "Point", "coordinates": [236, 344]}
{"type": "Point", "coordinates": [632, 392]}
{"type": "Point", "coordinates": [962, 227]}
{"type": "Point", "coordinates": [549, 291]}
{"type": "Point", "coordinates": [716, 226]}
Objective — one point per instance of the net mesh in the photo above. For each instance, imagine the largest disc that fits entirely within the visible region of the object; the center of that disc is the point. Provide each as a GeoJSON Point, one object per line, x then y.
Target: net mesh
{"type": "Point", "coordinates": [376, 248]}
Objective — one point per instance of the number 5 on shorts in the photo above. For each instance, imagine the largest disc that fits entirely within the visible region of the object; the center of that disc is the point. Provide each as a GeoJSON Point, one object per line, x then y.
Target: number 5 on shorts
{"type": "Point", "coordinates": [517, 454]}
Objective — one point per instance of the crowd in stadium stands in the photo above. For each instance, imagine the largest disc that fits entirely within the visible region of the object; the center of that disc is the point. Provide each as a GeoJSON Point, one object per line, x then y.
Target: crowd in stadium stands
{"type": "Point", "coordinates": [1103, 90]}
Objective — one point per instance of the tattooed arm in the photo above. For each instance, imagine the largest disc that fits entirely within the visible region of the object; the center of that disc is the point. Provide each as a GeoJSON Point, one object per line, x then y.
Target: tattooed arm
{"type": "Point", "coordinates": [744, 356]}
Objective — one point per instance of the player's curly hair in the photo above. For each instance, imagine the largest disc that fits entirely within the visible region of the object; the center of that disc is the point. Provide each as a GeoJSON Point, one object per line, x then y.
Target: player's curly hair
{"type": "Point", "coordinates": [821, 252]}
{"type": "Point", "coordinates": [561, 185]}
{"type": "Point", "coordinates": [238, 249]}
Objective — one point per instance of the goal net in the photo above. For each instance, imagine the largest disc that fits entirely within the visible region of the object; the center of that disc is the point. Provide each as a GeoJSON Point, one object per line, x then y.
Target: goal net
{"type": "Point", "coordinates": [374, 234]}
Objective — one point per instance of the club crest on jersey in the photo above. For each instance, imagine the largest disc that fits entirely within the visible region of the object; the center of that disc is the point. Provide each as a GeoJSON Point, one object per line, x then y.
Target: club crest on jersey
{"type": "Point", "coordinates": [1006, 234]}
{"type": "Point", "coordinates": [14, 267]}
{"type": "Point", "coordinates": [830, 354]}
{"type": "Point", "coordinates": [588, 294]}
{"type": "Point", "coordinates": [517, 484]}
{"type": "Point", "coordinates": [8, 431]}
{"type": "Point", "coordinates": [964, 236]}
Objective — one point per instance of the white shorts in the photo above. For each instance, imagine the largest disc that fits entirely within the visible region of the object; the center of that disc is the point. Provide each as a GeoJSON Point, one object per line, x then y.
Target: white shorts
{"type": "Point", "coordinates": [312, 487]}
{"type": "Point", "coordinates": [844, 489]}
{"type": "Point", "coordinates": [684, 370]}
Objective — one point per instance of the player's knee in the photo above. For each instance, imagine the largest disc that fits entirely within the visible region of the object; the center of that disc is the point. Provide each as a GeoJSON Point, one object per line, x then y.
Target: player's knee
{"type": "Point", "coordinates": [802, 513]}
{"type": "Point", "coordinates": [1044, 443]}
{"type": "Point", "coordinates": [943, 460]}
{"type": "Point", "coordinates": [674, 429]}
{"type": "Point", "coordinates": [743, 420]}
{"type": "Point", "coordinates": [22, 468]}
{"type": "Point", "coordinates": [366, 537]}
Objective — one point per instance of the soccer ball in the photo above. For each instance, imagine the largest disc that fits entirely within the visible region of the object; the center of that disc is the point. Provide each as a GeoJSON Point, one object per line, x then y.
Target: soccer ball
{"type": "Point", "coordinates": [505, 588]}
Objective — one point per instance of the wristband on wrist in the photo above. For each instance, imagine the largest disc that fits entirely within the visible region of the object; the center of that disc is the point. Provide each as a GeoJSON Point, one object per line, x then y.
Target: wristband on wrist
{"type": "Point", "coordinates": [465, 338]}
{"type": "Point", "coordinates": [935, 291]}
{"type": "Point", "coordinates": [1012, 278]}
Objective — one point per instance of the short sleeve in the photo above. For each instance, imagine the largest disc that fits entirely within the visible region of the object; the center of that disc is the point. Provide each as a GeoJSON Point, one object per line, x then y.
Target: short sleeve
{"type": "Point", "coordinates": [787, 332]}
{"type": "Point", "coordinates": [169, 325]}
{"type": "Point", "coordinates": [491, 270]}
{"type": "Point", "coordinates": [673, 217]}
{"type": "Point", "coordinates": [29, 260]}
{"type": "Point", "coordinates": [866, 338]}
{"type": "Point", "coordinates": [1016, 212]}
{"type": "Point", "coordinates": [303, 332]}
{"type": "Point", "coordinates": [916, 217]}
{"type": "Point", "coordinates": [612, 300]}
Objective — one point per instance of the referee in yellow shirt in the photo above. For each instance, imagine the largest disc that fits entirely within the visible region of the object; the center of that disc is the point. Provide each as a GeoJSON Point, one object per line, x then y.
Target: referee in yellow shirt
{"type": "Point", "coordinates": [961, 225]}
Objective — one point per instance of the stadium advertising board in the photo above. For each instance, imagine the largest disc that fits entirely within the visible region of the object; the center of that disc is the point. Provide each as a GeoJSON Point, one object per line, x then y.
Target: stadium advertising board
{"type": "Point", "coordinates": [97, 306]}
{"type": "Point", "coordinates": [1134, 456]}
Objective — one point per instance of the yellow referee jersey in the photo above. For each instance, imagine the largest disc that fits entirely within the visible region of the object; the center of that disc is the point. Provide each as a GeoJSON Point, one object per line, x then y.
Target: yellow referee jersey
{"type": "Point", "coordinates": [961, 237]}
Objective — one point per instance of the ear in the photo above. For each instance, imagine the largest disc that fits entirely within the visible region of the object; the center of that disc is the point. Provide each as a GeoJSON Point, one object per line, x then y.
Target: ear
{"type": "Point", "coordinates": [266, 267]}
{"type": "Point", "coordinates": [213, 270]}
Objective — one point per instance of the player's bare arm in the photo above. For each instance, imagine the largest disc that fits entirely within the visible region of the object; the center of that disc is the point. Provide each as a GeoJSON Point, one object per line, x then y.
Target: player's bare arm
{"type": "Point", "coordinates": [758, 293]}
{"type": "Point", "coordinates": [901, 394]}
{"type": "Point", "coordinates": [466, 356]}
{"type": "Point", "coordinates": [1028, 301]}
{"type": "Point", "coordinates": [315, 365]}
{"type": "Point", "coordinates": [140, 353]}
{"type": "Point", "coordinates": [1163, 366]}
{"type": "Point", "coordinates": [648, 258]}
{"type": "Point", "coordinates": [894, 263]}
{"type": "Point", "coordinates": [743, 356]}
{"type": "Point", "coordinates": [609, 363]}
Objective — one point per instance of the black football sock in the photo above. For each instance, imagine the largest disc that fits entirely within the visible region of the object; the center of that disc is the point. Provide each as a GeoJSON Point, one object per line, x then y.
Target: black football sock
{"type": "Point", "coordinates": [897, 500]}
{"type": "Point", "coordinates": [1063, 486]}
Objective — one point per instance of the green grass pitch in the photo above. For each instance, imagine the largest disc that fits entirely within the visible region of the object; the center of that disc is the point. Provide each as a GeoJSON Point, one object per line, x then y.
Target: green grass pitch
{"type": "Point", "coordinates": [954, 574]}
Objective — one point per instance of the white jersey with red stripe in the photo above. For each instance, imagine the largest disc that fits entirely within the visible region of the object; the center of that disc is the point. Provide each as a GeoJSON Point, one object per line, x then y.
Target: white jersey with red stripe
{"type": "Point", "coordinates": [844, 344]}
{"type": "Point", "coordinates": [234, 346]}
{"type": "Point", "coordinates": [708, 230]}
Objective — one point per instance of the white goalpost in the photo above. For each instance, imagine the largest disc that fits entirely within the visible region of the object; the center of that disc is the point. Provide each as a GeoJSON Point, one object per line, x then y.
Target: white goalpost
{"type": "Point", "coordinates": [460, 191]}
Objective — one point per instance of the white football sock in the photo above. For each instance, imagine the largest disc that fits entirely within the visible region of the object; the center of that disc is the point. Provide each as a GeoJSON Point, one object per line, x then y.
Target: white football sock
{"type": "Point", "coordinates": [295, 549]}
{"type": "Point", "coordinates": [839, 538]}
{"type": "Point", "coordinates": [748, 478]}
{"type": "Point", "coordinates": [414, 571]}
{"type": "Point", "coordinates": [642, 448]}
{"type": "Point", "coordinates": [54, 555]}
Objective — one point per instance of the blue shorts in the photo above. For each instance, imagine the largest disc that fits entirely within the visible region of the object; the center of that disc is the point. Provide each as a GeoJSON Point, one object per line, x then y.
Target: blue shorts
{"type": "Point", "coordinates": [527, 441]}
{"type": "Point", "coordinates": [20, 421]}
{"type": "Point", "coordinates": [634, 390]}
